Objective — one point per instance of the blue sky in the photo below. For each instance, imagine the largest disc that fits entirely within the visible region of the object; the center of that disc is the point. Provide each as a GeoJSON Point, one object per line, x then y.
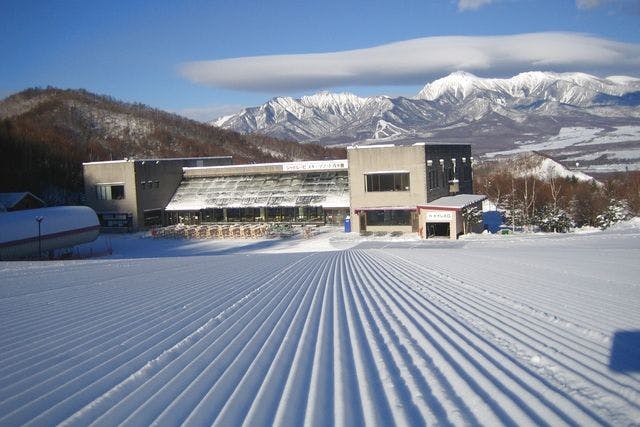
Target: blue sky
{"type": "Point", "coordinates": [198, 58]}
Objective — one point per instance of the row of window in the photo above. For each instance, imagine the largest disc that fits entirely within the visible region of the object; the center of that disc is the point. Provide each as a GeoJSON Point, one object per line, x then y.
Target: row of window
{"type": "Point", "coordinates": [116, 220]}
{"type": "Point", "coordinates": [400, 181]}
{"type": "Point", "coordinates": [148, 185]}
{"type": "Point", "coordinates": [388, 217]}
{"type": "Point", "coordinates": [387, 182]}
{"type": "Point", "coordinates": [439, 177]}
{"type": "Point", "coordinates": [116, 191]}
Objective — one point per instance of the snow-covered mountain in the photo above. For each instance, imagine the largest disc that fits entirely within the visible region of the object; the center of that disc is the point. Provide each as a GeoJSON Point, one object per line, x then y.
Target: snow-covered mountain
{"type": "Point", "coordinates": [576, 89]}
{"type": "Point", "coordinates": [492, 114]}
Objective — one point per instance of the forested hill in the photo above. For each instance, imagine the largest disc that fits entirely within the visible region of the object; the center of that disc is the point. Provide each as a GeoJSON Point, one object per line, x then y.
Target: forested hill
{"type": "Point", "coordinates": [46, 134]}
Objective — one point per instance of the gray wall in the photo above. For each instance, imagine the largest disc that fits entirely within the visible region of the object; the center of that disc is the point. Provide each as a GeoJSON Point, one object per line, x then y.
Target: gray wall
{"type": "Point", "coordinates": [111, 172]}
{"type": "Point", "coordinates": [447, 152]}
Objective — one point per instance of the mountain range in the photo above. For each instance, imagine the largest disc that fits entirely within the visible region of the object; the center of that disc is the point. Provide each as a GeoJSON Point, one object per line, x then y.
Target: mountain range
{"type": "Point", "coordinates": [492, 114]}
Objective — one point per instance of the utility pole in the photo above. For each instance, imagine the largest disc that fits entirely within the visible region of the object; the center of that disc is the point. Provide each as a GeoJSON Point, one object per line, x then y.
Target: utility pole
{"type": "Point", "coordinates": [39, 219]}
{"type": "Point", "coordinates": [513, 206]}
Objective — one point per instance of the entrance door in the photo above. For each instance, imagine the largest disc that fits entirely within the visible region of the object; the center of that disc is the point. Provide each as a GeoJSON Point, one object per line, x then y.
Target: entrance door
{"type": "Point", "coordinates": [438, 229]}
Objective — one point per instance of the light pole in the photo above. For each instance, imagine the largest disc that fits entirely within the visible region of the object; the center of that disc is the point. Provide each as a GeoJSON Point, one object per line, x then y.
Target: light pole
{"type": "Point", "coordinates": [39, 219]}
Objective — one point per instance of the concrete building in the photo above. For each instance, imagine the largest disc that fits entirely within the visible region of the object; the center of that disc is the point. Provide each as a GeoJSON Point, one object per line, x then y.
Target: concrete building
{"type": "Point", "coordinates": [393, 188]}
{"type": "Point", "coordinates": [131, 194]}
{"type": "Point", "coordinates": [423, 188]}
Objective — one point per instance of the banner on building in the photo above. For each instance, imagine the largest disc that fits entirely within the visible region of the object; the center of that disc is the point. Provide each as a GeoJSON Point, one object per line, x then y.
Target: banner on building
{"type": "Point", "coordinates": [315, 165]}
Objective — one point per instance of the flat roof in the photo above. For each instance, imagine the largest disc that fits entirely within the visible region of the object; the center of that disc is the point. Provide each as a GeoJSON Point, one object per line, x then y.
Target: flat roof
{"type": "Point", "coordinates": [357, 147]}
{"type": "Point", "coordinates": [257, 168]}
{"type": "Point", "coordinates": [459, 201]}
{"type": "Point", "coordinates": [385, 208]}
{"type": "Point", "coordinates": [415, 144]}
{"type": "Point", "coordinates": [158, 159]}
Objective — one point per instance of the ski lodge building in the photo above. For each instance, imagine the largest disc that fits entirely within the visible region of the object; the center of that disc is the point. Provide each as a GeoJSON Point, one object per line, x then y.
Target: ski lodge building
{"type": "Point", "coordinates": [422, 188]}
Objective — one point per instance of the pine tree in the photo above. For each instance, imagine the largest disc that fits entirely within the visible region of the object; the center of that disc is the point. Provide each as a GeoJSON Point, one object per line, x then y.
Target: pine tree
{"type": "Point", "coordinates": [552, 218]}
{"type": "Point", "coordinates": [614, 213]}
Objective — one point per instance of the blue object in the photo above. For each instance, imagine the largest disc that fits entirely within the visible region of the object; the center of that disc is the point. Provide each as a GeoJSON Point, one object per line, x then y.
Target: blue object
{"type": "Point", "coordinates": [492, 221]}
{"type": "Point", "coordinates": [347, 225]}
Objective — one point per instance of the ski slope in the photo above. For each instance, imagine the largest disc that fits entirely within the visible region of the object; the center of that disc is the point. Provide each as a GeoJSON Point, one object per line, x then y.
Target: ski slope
{"type": "Point", "coordinates": [333, 330]}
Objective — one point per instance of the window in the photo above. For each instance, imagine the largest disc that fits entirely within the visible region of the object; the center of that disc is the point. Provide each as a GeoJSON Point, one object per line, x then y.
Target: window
{"type": "Point", "coordinates": [388, 217]}
{"type": "Point", "coordinates": [118, 220]}
{"type": "Point", "coordinates": [433, 178]}
{"type": "Point", "coordinates": [387, 182]}
{"type": "Point", "coordinates": [110, 191]}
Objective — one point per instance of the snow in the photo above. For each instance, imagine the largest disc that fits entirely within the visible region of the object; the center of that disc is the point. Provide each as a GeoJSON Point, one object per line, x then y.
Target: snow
{"type": "Point", "coordinates": [459, 201]}
{"type": "Point", "coordinates": [578, 136]}
{"type": "Point", "coordinates": [522, 103]}
{"type": "Point", "coordinates": [386, 130]}
{"type": "Point", "coordinates": [563, 87]}
{"type": "Point", "coordinates": [525, 329]}
{"type": "Point", "coordinates": [340, 103]}
{"type": "Point", "coordinates": [620, 154]}
{"type": "Point", "coordinates": [624, 80]}
{"type": "Point", "coordinates": [550, 168]}
{"type": "Point", "coordinates": [222, 120]}
{"type": "Point", "coordinates": [22, 224]}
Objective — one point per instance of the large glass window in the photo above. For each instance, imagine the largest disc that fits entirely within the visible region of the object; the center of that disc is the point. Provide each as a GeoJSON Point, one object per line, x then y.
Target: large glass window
{"type": "Point", "coordinates": [110, 191]}
{"type": "Point", "coordinates": [388, 217]}
{"type": "Point", "coordinates": [387, 182]}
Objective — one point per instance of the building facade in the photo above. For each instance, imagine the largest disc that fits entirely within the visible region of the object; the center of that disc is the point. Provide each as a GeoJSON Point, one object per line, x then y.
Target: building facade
{"type": "Point", "coordinates": [392, 188]}
{"type": "Point", "coordinates": [299, 192]}
{"type": "Point", "coordinates": [422, 188]}
{"type": "Point", "coordinates": [132, 194]}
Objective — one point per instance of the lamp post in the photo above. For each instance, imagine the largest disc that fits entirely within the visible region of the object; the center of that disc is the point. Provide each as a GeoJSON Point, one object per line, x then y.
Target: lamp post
{"type": "Point", "coordinates": [39, 219]}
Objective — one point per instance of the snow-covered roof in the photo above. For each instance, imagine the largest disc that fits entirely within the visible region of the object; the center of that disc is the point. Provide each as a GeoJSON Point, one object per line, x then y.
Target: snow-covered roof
{"type": "Point", "coordinates": [168, 159]}
{"type": "Point", "coordinates": [336, 164]}
{"type": "Point", "coordinates": [359, 147]}
{"type": "Point", "coordinates": [326, 189]}
{"type": "Point", "coordinates": [20, 225]}
{"type": "Point", "coordinates": [9, 200]}
{"type": "Point", "coordinates": [386, 208]}
{"type": "Point", "coordinates": [459, 201]}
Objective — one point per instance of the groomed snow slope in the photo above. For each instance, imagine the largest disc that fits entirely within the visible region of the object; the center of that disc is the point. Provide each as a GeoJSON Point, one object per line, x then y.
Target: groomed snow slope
{"type": "Point", "coordinates": [491, 330]}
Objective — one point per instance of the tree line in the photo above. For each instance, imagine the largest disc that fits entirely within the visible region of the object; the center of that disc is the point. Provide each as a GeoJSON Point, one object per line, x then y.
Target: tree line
{"type": "Point", "coordinates": [554, 203]}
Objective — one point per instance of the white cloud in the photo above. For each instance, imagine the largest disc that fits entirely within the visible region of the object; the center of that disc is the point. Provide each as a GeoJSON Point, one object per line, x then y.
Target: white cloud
{"type": "Point", "coordinates": [464, 5]}
{"type": "Point", "coordinates": [613, 6]}
{"type": "Point", "coordinates": [589, 4]}
{"type": "Point", "coordinates": [417, 61]}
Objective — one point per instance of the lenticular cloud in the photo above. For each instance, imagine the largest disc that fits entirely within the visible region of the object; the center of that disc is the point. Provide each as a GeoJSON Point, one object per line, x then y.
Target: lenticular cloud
{"type": "Point", "coordinates": [415, 61]}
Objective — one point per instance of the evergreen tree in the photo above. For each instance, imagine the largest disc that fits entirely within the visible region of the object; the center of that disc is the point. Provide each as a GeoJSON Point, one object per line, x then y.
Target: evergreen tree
{"type": "Point", "coordinates": [614, 213]}
{"type": "Point", "coordinates": [552, 218]}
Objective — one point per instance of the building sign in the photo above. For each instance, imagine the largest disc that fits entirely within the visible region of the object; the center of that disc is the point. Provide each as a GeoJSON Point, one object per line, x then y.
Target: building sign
{"type": "Point", "coordinates": [316, 165]}
{"type": "Point", "coordinates": [438, 216]}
